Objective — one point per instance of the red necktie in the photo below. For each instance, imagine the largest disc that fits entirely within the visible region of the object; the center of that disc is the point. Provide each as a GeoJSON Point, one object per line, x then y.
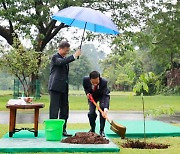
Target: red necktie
{"type": "Point", "coordinates": [95, 88]}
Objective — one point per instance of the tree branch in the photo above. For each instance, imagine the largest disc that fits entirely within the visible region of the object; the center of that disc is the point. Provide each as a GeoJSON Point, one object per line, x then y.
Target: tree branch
{"type": "Point", "coordinates": [38, 13]}
{"type": "Point", "coordinates": [50, 27]}
{"type": "Point", "coordinates": [10, 23]}
{"type": "Point", "coordinates": [8, 34]}
{"type": "Point", "coordinates": [49, 37]}
{"type": "Point", "coordinates": [5, 33]}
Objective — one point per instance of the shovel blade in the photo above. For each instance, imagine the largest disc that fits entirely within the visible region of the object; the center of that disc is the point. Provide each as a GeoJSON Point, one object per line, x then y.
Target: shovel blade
{"type": "Point", "coordinates": [118, 129]}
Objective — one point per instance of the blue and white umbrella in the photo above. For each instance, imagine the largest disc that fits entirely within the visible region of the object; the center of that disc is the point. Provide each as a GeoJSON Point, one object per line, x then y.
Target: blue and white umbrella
{"type": "Point", "coordinates": [86, 18]}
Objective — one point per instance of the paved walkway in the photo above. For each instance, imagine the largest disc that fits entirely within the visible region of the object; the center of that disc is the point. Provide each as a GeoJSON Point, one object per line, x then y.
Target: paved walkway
{"type": "Point", "coordinates": [81, 116]}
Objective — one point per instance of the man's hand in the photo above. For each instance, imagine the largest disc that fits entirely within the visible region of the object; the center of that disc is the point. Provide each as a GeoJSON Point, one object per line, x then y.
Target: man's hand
{"type": "Point", "coordinates": [77, 53]}
{"type": "Point", "coordinates": [88, 95]}
{"type": "Point", "coordinates": [104, 114]}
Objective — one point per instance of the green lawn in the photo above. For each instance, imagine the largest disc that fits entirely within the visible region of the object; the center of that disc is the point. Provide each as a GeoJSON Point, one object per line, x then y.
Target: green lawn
{"type": "Point", "coordinates": [174, 142]}
{"type": "Point", "coordinates": [119, 101]}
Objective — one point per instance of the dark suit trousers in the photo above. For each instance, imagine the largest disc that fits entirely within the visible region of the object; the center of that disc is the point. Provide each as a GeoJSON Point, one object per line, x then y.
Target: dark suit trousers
{"type": "Point", "coordinates": [59, 106]}
{"type": "Point", "coordinates": [92, 114]}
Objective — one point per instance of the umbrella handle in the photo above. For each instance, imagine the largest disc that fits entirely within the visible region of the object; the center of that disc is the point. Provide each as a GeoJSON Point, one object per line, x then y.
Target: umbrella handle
{"type": "Point", "coordinates": [79, 48]}
{"type": "Point", "coordinates": [82, 37]}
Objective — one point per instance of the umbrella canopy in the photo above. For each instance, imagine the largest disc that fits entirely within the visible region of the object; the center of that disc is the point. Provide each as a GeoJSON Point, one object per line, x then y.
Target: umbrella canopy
{"type": "Point", "coordinates": [86, 18]}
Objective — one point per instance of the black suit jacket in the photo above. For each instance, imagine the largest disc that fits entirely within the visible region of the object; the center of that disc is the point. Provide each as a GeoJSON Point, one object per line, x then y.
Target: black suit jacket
{"type": "Point", "coordinates": [59, 69]}
{"type": "Point", "coordinates": [102, 93]}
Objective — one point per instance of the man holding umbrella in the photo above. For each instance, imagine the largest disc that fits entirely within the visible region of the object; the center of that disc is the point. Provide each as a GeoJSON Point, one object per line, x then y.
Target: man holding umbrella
{"type": "Point", "coordinates": [58, 83]}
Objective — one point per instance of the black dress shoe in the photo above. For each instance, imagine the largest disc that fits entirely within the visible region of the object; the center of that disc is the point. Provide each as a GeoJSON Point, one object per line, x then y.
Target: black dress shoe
{"type": "Point", "coordinates": [102, 133]}
{"type": "Point", "coordinates": [91, 131]}
{"type": "Point", "coordinates": [66, 134]}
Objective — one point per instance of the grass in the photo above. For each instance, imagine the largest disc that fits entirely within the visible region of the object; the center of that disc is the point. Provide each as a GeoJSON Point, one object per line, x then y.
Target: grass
{"type": "Point", "coordinates": [5, 92]}
{"type": "Point", "coordinates": [75, 92]}
{"type": "Point", "coordinates": [113, 93]}
{"type": "Point", "coordinates": [119, 101]}
{"type": "Point", "coordinates": [174, 142]}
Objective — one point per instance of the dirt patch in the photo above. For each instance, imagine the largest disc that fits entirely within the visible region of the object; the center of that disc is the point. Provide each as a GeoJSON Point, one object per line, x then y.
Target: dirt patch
{"type": "Point", "coordinates": [144, 145]}
{"type": "Point", "coordinates": [86, 138]}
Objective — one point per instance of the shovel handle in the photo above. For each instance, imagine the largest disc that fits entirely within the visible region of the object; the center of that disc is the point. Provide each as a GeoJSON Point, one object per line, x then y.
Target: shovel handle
{"type": "Point", "coordinates": [102, 112]}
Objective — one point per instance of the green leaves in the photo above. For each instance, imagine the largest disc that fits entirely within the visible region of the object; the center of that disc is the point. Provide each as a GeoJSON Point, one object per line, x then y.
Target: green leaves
{"type": "Point", "coordinates": [140, 86]}
{"type": "Point", "coordinates": [22, 63]}
{"type": "Point", "coordinates": [123, 79]}
{"type": "Point", "coordinates": [146, 84]}
{"type": "Point", "coordinates": [79, 69]}
{"type": "Point", "coordinates": [121, 69]}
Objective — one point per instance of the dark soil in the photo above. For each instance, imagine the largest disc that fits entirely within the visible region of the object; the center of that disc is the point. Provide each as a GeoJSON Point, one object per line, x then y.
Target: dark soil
{"type": "Point", "coordinates": [86, 138]}
{"type": "Point", "coordinates": [143, 145]}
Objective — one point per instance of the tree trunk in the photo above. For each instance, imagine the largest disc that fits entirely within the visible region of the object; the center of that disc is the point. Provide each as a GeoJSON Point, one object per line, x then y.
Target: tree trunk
{"type": "Point", "coordinates": [171, 59]}
{"type": "Point", "coordinates": [32, 86]}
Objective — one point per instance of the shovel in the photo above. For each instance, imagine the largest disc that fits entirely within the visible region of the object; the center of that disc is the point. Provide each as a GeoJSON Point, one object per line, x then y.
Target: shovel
{"type": "Point", "coordinates": [117, 128]}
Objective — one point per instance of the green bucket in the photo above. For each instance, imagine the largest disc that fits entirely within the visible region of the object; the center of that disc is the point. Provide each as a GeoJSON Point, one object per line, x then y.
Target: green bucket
{"type": "Point", "coordinates": [54, 129]}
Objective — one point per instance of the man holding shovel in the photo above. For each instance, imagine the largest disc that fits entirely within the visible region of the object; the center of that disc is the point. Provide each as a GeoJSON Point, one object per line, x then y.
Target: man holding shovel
{"type": "Point", "coordinates": [97, 87]}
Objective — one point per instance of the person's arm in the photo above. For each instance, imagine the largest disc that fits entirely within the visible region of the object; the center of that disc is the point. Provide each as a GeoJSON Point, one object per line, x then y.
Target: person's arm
{"type": "Point", "coordinates": [106, 100]}
{"type": "Point", "coordinates": [106, 96]}
{"type": "Point", "coordinates": [86, 88]}
{"type": "Point", "coordinates": [62, 61]}
{"type": "Point", "coordinates": [104, 89]}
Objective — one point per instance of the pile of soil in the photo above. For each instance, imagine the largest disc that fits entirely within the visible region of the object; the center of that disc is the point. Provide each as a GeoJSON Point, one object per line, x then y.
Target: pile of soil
{"type": "Point", "coordinates": [85, 138]}
{"type": "Point", "coordinates": [143, 145]}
